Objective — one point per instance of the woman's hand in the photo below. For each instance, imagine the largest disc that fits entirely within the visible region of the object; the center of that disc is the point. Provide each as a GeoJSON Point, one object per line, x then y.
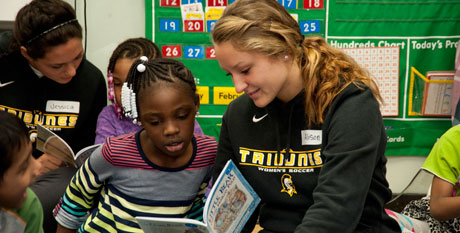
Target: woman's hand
{"type": "Point", "coordinates": [48, 163]}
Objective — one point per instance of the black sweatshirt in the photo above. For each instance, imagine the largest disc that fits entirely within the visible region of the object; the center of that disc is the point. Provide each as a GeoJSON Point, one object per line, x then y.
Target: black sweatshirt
{"type": "Point", "coordinates": [70, 110]}
{"type": "Point", "coordinates": [332, 179]}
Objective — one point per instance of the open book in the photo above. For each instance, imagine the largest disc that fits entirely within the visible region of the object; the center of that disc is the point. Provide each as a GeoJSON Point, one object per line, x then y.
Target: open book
{"type": "Point", "coordinates": [229, 205]}
{"type": "Point", "coordinates": [50, 143]}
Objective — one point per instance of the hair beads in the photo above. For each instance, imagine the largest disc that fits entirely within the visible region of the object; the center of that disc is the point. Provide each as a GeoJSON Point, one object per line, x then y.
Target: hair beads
{"type": "Point", "coordinates": [128, 97]}
{"type": "Point", "coordinates": [126, 94]}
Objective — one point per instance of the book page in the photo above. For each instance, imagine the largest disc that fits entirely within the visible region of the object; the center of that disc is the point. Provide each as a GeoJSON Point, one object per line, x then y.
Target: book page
{"type": "Point", "coordinates": [84, 153]}
{"type": "Point", "coordinates": [171, 225]}
{"type": "Point", "coordinates": [231, 201]}
{"type": "Point", "coordinates": [50, 143]}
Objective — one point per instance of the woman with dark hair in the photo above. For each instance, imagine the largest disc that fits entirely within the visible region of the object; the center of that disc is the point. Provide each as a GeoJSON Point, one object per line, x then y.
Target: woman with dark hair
{"type": "Point", "coordinates": [47, 81]}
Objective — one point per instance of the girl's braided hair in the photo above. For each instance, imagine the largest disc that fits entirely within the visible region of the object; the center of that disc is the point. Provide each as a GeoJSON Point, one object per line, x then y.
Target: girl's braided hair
{"type": "Point", "coordinates": [160, 69]}
{"type": "Point", "coordinates": [143, 74]}
{"type": "Point", "coordinates": [134, 48]}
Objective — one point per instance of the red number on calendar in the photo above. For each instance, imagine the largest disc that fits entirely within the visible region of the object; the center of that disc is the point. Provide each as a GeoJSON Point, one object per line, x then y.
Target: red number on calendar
{"type": "Point", "coordinates": [193, 25]}
{"type": "Point", "coordinates": [171, 51]}
{"type": "Point", "coordinates": [313, 4]}
{"type": "Point", "coordinates": [210, 53]}
{"type": "Point", "coordinates": [169, 3]}
{"type": "Point", "coordinates": [212, 3]}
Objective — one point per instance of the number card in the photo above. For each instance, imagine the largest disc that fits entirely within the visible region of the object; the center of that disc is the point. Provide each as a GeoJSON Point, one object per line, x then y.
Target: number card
{"type": "Point", "coordinates": [210, 53]}
{"type": "Point", "coordinates": [212, 15]}
{"type": "Point", "coordinates": [169, 3]}
{"type": "Point", "coordinates": [214, 3]}
{"type": "Point", "coordinates": [169, 25]}
{"type": "Point", "coordinates": [210, 25]}
{"type": "Point", "coordinates": [310, 26]}
{"type": "Point", "coordinates": [313, 4]}
{"type": "Point", "coordinates": [171, 51]}
{"type": "Point", "coordinates": [194, 52]}
{"type": "Point", "coordinates": [193, 25]}
{"type": "Point", "coordinates": [192, 17]}
{"type": "Point", "coordinates": [288, 4]}
{"type": "Point", "coordinates": [191, 1]}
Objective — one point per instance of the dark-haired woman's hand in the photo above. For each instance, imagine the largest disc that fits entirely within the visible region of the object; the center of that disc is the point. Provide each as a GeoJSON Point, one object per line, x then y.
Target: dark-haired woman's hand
{"type": "Point", "coordinates": [48, 163]}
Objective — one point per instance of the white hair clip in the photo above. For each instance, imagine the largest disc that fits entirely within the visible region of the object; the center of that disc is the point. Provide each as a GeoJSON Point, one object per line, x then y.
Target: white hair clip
{"type": "Point", "coordinates": [141, 68]}
{"type": "Point", "coordinates": [33, 137]}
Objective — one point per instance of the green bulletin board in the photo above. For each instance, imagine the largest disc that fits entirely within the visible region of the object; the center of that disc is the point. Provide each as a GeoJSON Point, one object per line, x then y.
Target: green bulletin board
{"type": "Point", "coordinates": [390, 38]}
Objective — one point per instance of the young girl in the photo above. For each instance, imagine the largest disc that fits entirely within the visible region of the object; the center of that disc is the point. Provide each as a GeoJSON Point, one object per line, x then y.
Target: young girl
{"type": "Point", "coordinates": [157, 171]}
{"type": "Point", "coordinates": [111, 121]}
{"type": "Point", "coordinates": [441, 210]}
{"type": "Point", "coordinates": [20, 209]}
{"type": "Point", "coordinates": [46, 80]}
{"type": "Point", "coordinates": [307, 134]}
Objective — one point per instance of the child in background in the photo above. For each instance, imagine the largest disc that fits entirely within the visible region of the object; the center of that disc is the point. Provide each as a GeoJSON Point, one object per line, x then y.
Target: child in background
{"type": "Point", "coordinates": [157, 171]}
{"type": "Point", "coordinates": [442, 209]}
{"type": "Point", "coordinates": [111, 121]}
{"type": "Point", "coordinates": [20, 209]}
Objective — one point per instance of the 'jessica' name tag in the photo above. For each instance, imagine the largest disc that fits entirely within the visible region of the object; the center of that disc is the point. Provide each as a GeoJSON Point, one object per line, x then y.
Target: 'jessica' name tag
{"type": "Point", "coordinates": [312, 137]}
{"type": "Point", "coordinates": [63, 106]}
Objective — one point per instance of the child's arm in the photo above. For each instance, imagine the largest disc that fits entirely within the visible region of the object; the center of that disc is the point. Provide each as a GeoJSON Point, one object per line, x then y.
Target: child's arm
{"type": "Point", "coordinates": [442, 204]}
{"type": "Point", "coordinates": [196, 211]}
{"type": "Point", "coordinates": [83, 191]}
{"type": "Point", "coordinates": [444, 162]}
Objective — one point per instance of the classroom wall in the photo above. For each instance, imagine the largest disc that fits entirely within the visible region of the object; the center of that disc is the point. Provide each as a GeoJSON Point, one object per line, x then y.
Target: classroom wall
{"type": "Point", "coordinates": [8, 8]}
{"type": "Point", "coordinates": [109, 22]}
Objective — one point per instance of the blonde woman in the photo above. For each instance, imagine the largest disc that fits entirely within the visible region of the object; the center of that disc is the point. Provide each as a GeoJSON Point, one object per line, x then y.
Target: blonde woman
{"type": "Point", "coordinates": [308, 133]}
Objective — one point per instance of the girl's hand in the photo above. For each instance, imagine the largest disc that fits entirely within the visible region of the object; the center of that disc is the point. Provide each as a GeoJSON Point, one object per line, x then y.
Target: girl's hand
{"type": "Point", "coordinates": [48, 163]}
{"type": "Point", "coordinates": [443, 206]}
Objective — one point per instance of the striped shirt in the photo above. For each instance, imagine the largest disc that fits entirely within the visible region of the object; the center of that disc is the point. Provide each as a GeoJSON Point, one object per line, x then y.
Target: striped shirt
{"type": "Point", "coordinates": [125, 184]}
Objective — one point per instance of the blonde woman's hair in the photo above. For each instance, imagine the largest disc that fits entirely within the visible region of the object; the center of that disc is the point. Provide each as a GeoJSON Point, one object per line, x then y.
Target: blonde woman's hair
{"type": "Point", "coordinates": [265, 26]}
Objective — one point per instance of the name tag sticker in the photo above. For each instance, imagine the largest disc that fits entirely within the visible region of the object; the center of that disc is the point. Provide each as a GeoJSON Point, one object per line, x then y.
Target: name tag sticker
{"type": "Point", "coordinates": [63, 106]}
{"type": "Point", "coordinates": [312, 137]}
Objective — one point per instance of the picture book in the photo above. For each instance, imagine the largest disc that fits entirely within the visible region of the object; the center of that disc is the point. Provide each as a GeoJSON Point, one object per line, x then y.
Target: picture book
{"type": "Point", "coordinates": [229, 205]}
{"type": "Point", "coordinates": [50, 143]}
